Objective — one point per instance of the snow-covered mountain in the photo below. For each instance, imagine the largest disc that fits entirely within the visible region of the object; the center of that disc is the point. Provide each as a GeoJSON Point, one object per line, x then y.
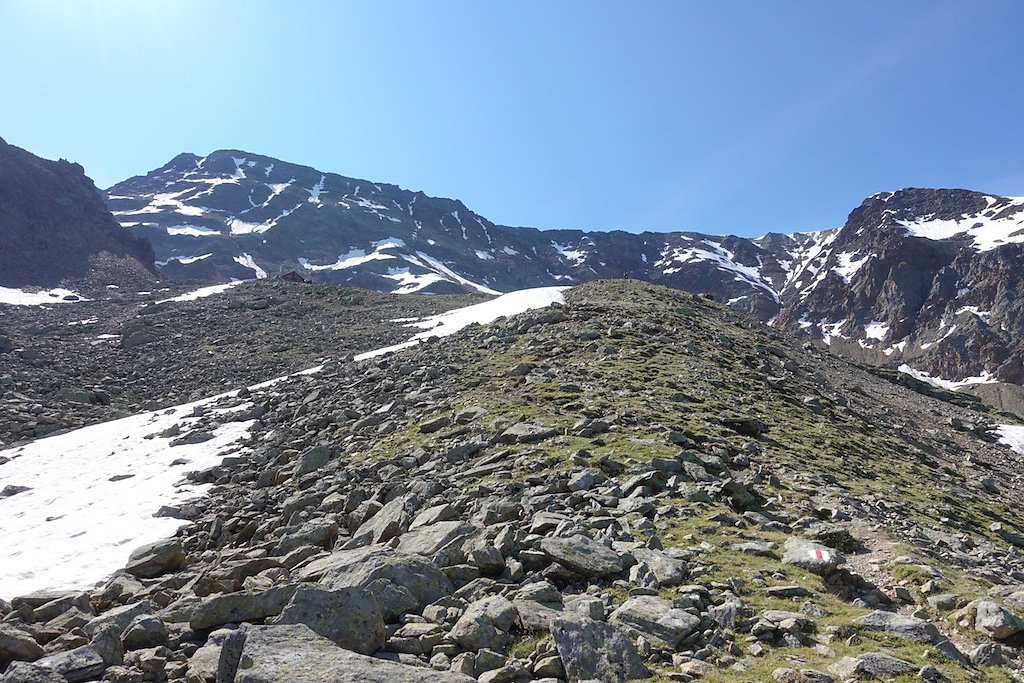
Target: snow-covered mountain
{"type": "Point", "coordinates": [930, 279]}
{"type": "Point", "coordinates": [235, 214]}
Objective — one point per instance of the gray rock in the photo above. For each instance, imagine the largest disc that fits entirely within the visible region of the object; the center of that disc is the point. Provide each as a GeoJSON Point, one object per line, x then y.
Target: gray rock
{"type": "Point", "coordinates": [533, 616]}
{"type": "Point", "coordinates": [202, 665]}
{"type": "Point", "coordinates": [654, 617]}
{"type": "Point", "coordinates": [583, 555]}
{"type": "Point", "coordinates": [156, 559]}
{"type": "Point", "coordinates": [376, 568]}
{"type": "Point", "coordinates": [871, 665]}
{"type": "Point", "coordinates": [485, 624]}
{"type": "Point", "coordinates": [144, 631]}
{"type": "Point", "coordinates": [996, 621]}
{"type": "Point", "coordinates": [901, 626]}
{"type": "Point", "coordinates": [813, 557]}
{"type": "Point", "coordinates": [294, 653]}
{"type": "Point", "coordinates": [84, 663]}
{"type": "Point", "coordinates": [311, 460]}
{"type": "Point", "coordinates": [986, 653]}
{"type": "Point", "coordinates": [234, 608]}
{"type": "Point", "coordinates": [758, 548]}
{"type": "Point", "coordinates": [391, 520]}
{"type": "Point", "coordinates": [523, 432]}
{"type": "Point", "coordinates": [348, 617]}
{"type": "Point", "coordinates": [17, 645]}
{"type": "Point", "coordinates": [668, 571]}
{"type": "Point", "coordinates": [21, 672]}
{"type": "Point", "coordinates": [119, 616]}
{"type": "Point", "coordinates": [596, 650]}
{"type": "Point", "coordinates": [429, 540]}
{"type": "Point", "coordinates": [832, 535]}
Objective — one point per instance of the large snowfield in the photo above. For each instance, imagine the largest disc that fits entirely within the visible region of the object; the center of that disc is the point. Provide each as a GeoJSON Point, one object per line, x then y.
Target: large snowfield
{"type": "Point", "coordinates": [93, 491]}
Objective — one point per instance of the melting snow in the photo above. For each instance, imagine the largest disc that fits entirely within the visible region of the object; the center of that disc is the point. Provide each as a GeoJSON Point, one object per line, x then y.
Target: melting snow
{"type": "Point", "coordinates": [876, 330]}
{"type": "Point", "coordinates": [723, 259]}
{"type": "Point", "coordinates": [19, 297]}
{"type": "Point", "coordinates": [317, 190]}
{"type": "Point", "coordinates": [247, 261]}
{"type": "Point", "coordinates": [849, 265]}
{"type": "Point", "coordinates": [184, 260]}
{"type": "Point", "coordinates": [1012, 436]}
{"type": "Point", "coordinates": [982, 315]}
{"type": "Point", "coordinates": [357, 257]}
{"type": "Point", "coordinates": [433, 264]}
{"type": "Point", "coordinates": [510, 251]}
{"type": "Point", "coordinates": [484, 255]}
{"type": "Point", "coordinates": [576, 255]}
{"type": "Point", "coordinates": [985, 230]}
{"type": "Point", "coordinates": [71, 530]}
{"type": "Point", "coordinates": [444, 324]}
{"type": "Point", "coordinates": [191, 230]}
{"type": "Point", "coordinates": [202, 292]}
{"type": "Point", "coordinates": [409, 283]}
{"type": "Point", "coordinates": [984, 378]}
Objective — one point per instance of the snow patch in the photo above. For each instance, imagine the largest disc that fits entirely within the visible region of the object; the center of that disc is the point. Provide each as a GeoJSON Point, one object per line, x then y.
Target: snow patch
{"type": "Point", "coordinates": [203, 292]}
{"type": "Point", "coordinates": [484, 255]}
{"type": "Point", "coordinates": [20, 297]}
{"type": "Point", "coordinates": [444, 324]}
{"type": "Point", "coordinates": [1012, 436]}
{"type": "Point", "coordinates": [984, 229]}
{"type": "Point", "coordinates": [184, 260]}
{"type": "Point", "coordinates": [72, 530]}
{"type": "Point", "coordinates": [247, 261]}
{"type": "Point", "coordinates": [188, 230]}
{"type": "Point", "coordinates": [984, 378]}
{"type": "Point", "coordinates": [876, 330]}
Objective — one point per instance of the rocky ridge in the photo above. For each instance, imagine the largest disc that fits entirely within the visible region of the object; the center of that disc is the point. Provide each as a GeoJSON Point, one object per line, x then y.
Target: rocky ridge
{"type": "Point", "coordinates": [54, 227]}
{"type": "Point", "coordinates": [638, 484]}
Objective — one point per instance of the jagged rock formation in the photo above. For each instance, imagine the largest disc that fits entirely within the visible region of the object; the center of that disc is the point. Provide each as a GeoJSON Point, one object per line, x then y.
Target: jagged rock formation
{"type": "Point", "coordinates": [54, 226]}
{"type": "Point", "coordinates": [639, 482]}
{"type": "Point", "coordinates": [925, 277]}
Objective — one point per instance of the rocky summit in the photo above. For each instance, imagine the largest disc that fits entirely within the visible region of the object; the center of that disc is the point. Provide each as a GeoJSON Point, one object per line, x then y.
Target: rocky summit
{"type": "Point", "coordinates": [637, 484]}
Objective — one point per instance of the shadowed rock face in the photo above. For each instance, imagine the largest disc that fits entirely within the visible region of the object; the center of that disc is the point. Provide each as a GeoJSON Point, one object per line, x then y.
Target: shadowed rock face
{"type": "Point", "coordinates": [54, 225]}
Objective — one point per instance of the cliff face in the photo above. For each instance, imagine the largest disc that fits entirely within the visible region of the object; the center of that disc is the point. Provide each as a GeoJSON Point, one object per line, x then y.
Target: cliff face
{"type": "Point", "coordinates": [54, 225]}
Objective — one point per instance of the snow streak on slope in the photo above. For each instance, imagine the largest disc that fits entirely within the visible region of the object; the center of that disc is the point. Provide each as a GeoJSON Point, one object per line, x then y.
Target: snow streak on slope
{"type": "Point", "coordinates": [94, 490]}
{"type": "Point", "coordinates": [444, 324]}
{"type": "Point", "coordinates": [673, 258]}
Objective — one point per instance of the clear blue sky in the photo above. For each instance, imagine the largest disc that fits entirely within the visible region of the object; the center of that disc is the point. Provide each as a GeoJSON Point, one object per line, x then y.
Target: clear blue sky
{"type": "Point", "coordinates": [719, 116]}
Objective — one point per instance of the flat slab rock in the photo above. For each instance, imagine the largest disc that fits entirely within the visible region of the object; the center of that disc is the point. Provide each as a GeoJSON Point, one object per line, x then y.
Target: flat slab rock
{"type": "Point", "coordinates": [900, 625]}
{"type": "Point", "coordinates": [871, 665]}
{"type": "Point", "coordinates": [596, 650]}
{"type": "Point", "coordinates": [294, 653]}
{"type": "Point", "coordinates": [583, 555]}
{"type": "Point", "coordinates": [656, 618]}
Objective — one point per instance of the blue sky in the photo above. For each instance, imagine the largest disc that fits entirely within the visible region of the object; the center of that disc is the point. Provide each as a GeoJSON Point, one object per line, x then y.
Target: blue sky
{"type": "Point", "coordinates": [723, 117]}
